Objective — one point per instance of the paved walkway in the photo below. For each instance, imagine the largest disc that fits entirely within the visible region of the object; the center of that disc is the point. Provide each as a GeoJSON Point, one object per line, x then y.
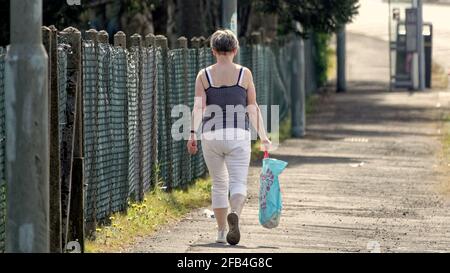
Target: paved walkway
{"type": "Point", "coordinates": [368, 174]}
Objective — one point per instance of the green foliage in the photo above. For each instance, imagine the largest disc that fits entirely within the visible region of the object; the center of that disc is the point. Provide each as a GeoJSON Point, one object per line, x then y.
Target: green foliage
{"type": "Point", "coordinates": [321, 41]}
{"type": "Point", "coordinates": [4, 22]}
{"type": "Point", "coordinates": [313, 15]}
{"type": "Point", "coordinates": [134, 6]}
{"type": "Point", "coordinates": [60, 14]}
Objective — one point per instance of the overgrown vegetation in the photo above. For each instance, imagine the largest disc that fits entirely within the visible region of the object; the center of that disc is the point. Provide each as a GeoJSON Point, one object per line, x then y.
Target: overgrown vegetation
{"type": "Point", "coordinates": [142, 219]}
{"type": "Point", "coordinates": [446, 154]}
{"type": "Point", "coordinates": [322, 60]}
{"type": "Point", "coordinates": [320, 16]}
{"type": "Point", "coordinates": [439, 77]}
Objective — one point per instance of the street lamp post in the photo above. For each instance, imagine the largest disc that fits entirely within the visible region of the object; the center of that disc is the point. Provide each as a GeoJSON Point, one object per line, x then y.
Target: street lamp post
{"type": "Point", "coordinates": [229, 18]}
{"type": "Point", "coordinates": [341, 55]}
{"type": "Point", "coordinates": [27, 133]}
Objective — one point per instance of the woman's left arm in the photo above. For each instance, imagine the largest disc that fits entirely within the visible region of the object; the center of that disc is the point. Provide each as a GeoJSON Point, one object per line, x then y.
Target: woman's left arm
{"type": "Point", "coordinates": [255, 112]}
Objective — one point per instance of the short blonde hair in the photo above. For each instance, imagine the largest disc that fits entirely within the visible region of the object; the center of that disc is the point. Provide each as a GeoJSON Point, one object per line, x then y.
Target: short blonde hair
{"type": "Point", "coordinates": [224, 40]}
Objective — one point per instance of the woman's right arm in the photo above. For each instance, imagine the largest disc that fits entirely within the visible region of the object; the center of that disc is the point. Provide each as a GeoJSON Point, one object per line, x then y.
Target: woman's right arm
{"type": "Point", "coordinates": [197, 113]}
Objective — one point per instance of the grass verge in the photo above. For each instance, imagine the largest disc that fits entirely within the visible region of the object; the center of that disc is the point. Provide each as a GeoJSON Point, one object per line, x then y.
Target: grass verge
{"type": "Point", "coordinates": [439, 77]}
{"type": "Point", "coordinates": [142, 219]}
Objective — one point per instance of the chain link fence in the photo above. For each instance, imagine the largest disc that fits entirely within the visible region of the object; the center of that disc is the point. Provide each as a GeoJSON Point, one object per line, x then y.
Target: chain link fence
{"type": "Point", "coordinates": [128, 97]}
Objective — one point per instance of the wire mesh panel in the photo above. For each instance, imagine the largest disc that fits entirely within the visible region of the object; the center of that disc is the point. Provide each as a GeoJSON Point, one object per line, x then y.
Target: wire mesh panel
{"type": "Point", "coordinates": [192, 70]}
{"type": "Point", "coordinates": [245, 56]}
{"type": "Point", "coordinates": [90, 74]}
{"type": "Point", "coordinates": [283, 56]}
{"type": "Point", "coordinates": [165, 102]}
{"type": "Point", "coordinates": [2, 151]}
{"type": "Point", "coordinates": [105, 128]}
{"type": "Point", "coordinates": [62, 83]}
{"type": "Point", "coordinates": [177, 79]}
{"type": "Point", "coordinates": [119, 125]}
{"type": "Point", "coordinates": [278, 87]}
{"type": "Point", "coordinates": [133, 85]}
{"type": "Point", "coordinates": [148, 87]}
{"type": "Point", "coordinates": [105, 148]}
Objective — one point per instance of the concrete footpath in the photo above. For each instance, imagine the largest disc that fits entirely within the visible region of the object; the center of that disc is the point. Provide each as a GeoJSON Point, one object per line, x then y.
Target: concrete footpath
{"type": "Point", "coordinates": [368, 176]}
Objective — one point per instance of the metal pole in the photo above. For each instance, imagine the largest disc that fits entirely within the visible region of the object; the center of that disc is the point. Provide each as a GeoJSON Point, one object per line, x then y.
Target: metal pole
{"type": "Point", "coordinates": [420, 44]}
{"type": "Point", "coordinates": [229, 18]}
{"type": "Point", "coordinates": [229, 15]}
{"type": "Point", "coordinates": [340, 50]}
{"type": "Point", "coordinates": [298, 88]}
{"type": "Point", "coordinates": [390, 45]}
{"type": "Point", "coordinates": [27, 134]}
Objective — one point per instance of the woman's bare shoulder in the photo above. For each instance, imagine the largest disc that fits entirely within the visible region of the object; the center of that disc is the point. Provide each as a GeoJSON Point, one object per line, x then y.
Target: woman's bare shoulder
{"type": "Point", "coordinates": [247, 71]}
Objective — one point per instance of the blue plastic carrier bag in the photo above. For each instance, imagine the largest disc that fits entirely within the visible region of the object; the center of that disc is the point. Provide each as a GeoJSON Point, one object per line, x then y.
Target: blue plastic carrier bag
{"type": "Point", "coordinates": [270, 202]}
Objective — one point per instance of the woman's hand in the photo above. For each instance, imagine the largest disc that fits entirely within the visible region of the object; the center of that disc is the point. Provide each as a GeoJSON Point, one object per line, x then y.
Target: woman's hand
{"type": "Point", "coordinates": [192, 145]}
{"type": "Point", "coordinates": [266, 145]}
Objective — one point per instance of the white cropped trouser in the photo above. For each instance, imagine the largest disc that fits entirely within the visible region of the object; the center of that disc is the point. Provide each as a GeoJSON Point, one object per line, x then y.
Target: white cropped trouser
{"type": "Point", "coordinates": [227, 156]}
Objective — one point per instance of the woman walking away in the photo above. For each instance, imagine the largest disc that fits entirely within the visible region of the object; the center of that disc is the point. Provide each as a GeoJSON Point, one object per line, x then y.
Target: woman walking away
{"type": "Point", "coordinates": [225, 104]}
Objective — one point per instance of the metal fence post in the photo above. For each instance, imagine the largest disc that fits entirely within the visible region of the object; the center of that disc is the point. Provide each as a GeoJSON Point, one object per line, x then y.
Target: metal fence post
{"type": "Point", "coordinates": [136, 41]}
{"type": "Point", "coordinates": [73, 185]}
{"type": "Point", "coordinates": [229, 18]}
{"type": "Point", "coordinates": [27, 134]}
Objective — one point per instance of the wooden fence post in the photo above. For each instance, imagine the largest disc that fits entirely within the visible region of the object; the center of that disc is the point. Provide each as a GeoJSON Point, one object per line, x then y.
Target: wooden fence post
{"type": "Point", "coordinates": [73, 185]}
{"type": "Point", "coordinates": [150, 42]}
{"type": "Point", "coordinates": [185, 161]}
{"type": "Point", "coordinates": [136, 41]}
{"type": "Point", "coordinates": [50, 42]}
{"type": "Point", "coordinates": [161, 42]}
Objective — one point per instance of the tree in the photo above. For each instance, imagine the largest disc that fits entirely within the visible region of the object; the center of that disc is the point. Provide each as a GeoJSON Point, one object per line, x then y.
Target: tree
{"type": "Point", "coordinates": [324, 16]}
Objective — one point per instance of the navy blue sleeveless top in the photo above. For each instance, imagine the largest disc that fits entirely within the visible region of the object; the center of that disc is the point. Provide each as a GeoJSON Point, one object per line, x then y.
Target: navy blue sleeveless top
{"type": "Point", "coordinates": [225, 106]}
